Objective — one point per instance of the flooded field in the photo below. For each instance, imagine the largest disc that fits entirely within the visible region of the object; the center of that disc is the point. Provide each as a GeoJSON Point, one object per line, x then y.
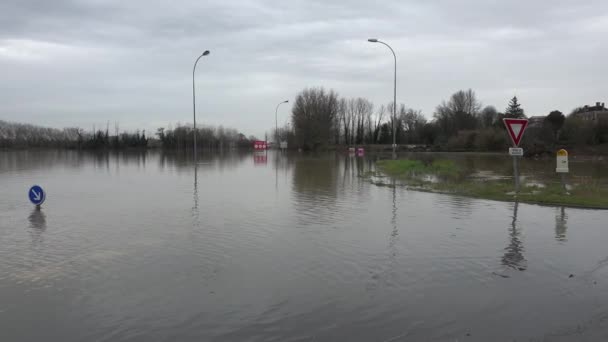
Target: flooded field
{"type": "Point", "coordinates": [148, 246]}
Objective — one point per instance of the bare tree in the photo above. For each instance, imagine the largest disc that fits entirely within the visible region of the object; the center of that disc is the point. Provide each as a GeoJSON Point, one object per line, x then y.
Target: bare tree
{"type": "Point", "coordinates": [345, 118]}
{"type": "Point", "coordinates": [337, 123]}
{"type": "Point", "coordinates": [378, 123]}
{"type": "Point", "coordinates": [412, 122]}
{"type": "Point", "coordinates": [313, 117]}
{"type": "Point", "coordinates": [362, 110]}
{"type": "Point", "coordinates": [351, 118]}
{"type": "Point", "coordinates": [459, 113]}
{"type": "Point", "coordinates": [369, 126]}
{"type": "Point", "coordinates": [488, 116]}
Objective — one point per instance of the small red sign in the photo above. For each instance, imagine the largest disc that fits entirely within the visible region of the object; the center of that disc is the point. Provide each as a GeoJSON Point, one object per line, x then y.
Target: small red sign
{"type": "Point", "coordinates": [516, 128]}
{"type": "Point", "coordinates": [259, 145]}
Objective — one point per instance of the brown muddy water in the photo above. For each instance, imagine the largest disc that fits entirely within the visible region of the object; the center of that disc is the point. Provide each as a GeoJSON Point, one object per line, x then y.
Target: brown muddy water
{"type": "Point", "coordinates": [288, 247]}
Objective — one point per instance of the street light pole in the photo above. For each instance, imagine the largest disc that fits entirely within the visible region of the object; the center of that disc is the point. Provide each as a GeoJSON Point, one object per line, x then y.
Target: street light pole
{"type": "Point", "coordinates": [276, 123]}
{"type": "Point", "coordinates": [194, 99]}
{"type": "Point", "coordinates": [374, 40]}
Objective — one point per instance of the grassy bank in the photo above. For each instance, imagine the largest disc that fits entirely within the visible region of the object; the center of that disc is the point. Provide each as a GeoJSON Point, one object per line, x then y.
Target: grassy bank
{"type": "Point", "coordinates": [445, 176]}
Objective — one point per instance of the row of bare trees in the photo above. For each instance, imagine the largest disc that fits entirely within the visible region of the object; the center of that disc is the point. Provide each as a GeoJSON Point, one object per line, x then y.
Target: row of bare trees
{"type": "Point", "coordinates": [208, 137]}
{"type": "Point", "coordinates": [18, 135]}
{"type": "Point", "coordinates": [320, 117]}
{"type": "Point", "coordinates": [26, 135]}
{"type": "Point", "coordinates": [356, 122]}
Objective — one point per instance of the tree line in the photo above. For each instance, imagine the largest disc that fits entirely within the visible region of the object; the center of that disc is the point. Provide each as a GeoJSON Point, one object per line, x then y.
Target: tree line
{"type": "Point", "coordinates": [208, 137]}
{"type": "Point", "coordinates": [18, 135]}
{"type": "Point", "coordinates": [320, 118]}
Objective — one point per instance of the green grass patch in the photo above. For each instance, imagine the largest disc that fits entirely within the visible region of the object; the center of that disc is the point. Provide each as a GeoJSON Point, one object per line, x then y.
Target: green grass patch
{"type": "Point", "coordinates": [401, 167]}
{"type": "Point", "coordinates": [445, 168]}
{"type": "Point", "coordinates": [580, 195]}
{"type": "Point", "coordinates": [406, 167]}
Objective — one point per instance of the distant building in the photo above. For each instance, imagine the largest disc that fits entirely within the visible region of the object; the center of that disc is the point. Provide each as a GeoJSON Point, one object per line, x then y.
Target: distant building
{"type": "Point", "coordinates": [592, 113]}
{"type": "Point", "coordinates": [536, 121]}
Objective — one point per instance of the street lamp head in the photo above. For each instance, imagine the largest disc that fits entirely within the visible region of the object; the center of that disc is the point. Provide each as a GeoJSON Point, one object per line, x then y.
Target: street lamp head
{"type": "Point", "coordinates": [373, 40]}
{"type": "Point", "coordinates": [206, 53]}
{"type": "Point", "coordinates": [286, 101]}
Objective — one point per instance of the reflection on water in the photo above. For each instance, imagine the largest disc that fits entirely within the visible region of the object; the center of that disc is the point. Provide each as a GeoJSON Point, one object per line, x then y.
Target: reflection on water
{"type": "Point", "coordinates": [393, 241]}
{"type": "Point", "coordinates": [293, 247]}
{"type": "Point", "coordinates": [315, 189]}
{"type": "Point", "coordinates": [395, 231]}
{"type": "Point", "coordinates": [195, 190]}
{"type": "Point", "coordinates": [37, 226]}
{"type": "Point", "coordinates": [514, 252]}
{"type": "Point", "coordinates": [561, 224]}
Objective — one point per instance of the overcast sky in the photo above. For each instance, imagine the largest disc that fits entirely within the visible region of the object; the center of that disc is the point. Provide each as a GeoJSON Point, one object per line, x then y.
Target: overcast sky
{"type": "Point", "coordinates": [80, 63]}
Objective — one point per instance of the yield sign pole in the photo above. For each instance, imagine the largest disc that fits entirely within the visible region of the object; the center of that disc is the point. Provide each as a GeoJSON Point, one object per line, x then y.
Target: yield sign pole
{"type": "Point", "coordinates": [516, 173]}
{"type": "Point", "coordinates": [516, 128]}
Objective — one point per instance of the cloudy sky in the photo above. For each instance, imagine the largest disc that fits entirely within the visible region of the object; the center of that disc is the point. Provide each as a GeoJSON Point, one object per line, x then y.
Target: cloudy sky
{"type": "Point", "coordinates": [86, 62]}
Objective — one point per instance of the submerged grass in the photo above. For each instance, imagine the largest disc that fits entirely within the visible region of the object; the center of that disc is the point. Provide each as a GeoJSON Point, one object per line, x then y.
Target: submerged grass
{"type": "Point", "coordinates": [581, 195]}
{"type": "Point", "coordinates": [408, 167]}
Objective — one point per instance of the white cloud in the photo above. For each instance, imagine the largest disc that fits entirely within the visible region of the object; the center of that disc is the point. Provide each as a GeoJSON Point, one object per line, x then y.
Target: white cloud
{"type": "Point", "coordinates": [32, 50]}
{"type": "Point", "coordinates": [66, 63]}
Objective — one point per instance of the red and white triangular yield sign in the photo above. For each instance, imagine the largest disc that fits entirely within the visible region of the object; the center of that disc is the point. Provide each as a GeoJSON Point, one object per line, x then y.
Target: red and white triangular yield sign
{"type": "Point", "coordinates": [516, 128]}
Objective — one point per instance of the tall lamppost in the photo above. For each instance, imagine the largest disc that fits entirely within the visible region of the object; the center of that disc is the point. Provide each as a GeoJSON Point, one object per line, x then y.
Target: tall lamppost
{"type": "Point", "coordinates": [276, 124]}
{"type": "Point", "coordinates": [374, 40]}
{"type": "Point", "coordinates": [194, 98]}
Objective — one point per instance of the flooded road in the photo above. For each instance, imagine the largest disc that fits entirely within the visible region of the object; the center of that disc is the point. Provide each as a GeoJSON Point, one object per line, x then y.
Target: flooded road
{"type": "Point", "coordinates": [286, 247]}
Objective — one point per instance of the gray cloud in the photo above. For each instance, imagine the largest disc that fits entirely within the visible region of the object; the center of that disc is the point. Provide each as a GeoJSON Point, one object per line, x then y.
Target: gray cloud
{"type": "Point", "coordinates": [81, 63]}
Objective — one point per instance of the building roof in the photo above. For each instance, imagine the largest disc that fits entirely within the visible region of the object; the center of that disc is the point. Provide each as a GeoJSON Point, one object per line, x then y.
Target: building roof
{"type": "Point", "coordinates": [599, 107]}
{"type": "Point", "coordinates": [536, 120]}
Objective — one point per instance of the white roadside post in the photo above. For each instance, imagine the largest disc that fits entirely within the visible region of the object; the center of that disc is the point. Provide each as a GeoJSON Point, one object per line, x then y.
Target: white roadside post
{"type": "Point", "coordinates": [562, 166]}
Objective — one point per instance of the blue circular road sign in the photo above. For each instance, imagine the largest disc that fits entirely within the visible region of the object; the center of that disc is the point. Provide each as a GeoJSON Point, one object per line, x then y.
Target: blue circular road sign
{"type": "Point", "coordinates": [37, 195]}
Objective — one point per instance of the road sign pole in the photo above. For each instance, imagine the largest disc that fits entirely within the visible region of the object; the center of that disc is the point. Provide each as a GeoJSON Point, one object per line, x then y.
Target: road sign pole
{"type": "Point", "coordinates": [516, 173]}
{"type": "Point", "coordinates": [516, 128]}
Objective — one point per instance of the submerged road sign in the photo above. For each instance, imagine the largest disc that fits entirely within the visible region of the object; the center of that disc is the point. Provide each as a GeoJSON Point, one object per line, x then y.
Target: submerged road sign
{"type": "Point", "coordinates": [260, 145]}
{"type": "Point", "coordinates": [37, 195]}
{"type": "Point", "coordinates": [516, 128]}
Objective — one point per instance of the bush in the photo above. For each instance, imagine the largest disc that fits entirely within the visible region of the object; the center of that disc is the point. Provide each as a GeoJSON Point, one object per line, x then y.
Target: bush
{"type": "Point", "coordinates": [463, 140]}
{"type": "Point", "coordinates": [491, 139]}
{"type": "Point", "coordinates": [577, 132]}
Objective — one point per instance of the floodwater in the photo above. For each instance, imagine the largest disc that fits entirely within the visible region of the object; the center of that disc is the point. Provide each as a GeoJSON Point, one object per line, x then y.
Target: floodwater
{"type": "Point", "coordinates": [286, 247]}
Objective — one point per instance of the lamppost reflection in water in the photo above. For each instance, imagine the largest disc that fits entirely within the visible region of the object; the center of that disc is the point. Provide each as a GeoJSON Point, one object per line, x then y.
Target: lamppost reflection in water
{"type": "Point", "coordinates": [395, 232]}
{"type": "Point", "coordinates": [37, 226]}
{"type": "Point", "coordinates": [386, 273]}
{"type": "Point", "coordinates": [561, 225]}
{"type": "Point", "coordinates": [514, 256]}
{"type": "Point", "coordinates": [195, 190]}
